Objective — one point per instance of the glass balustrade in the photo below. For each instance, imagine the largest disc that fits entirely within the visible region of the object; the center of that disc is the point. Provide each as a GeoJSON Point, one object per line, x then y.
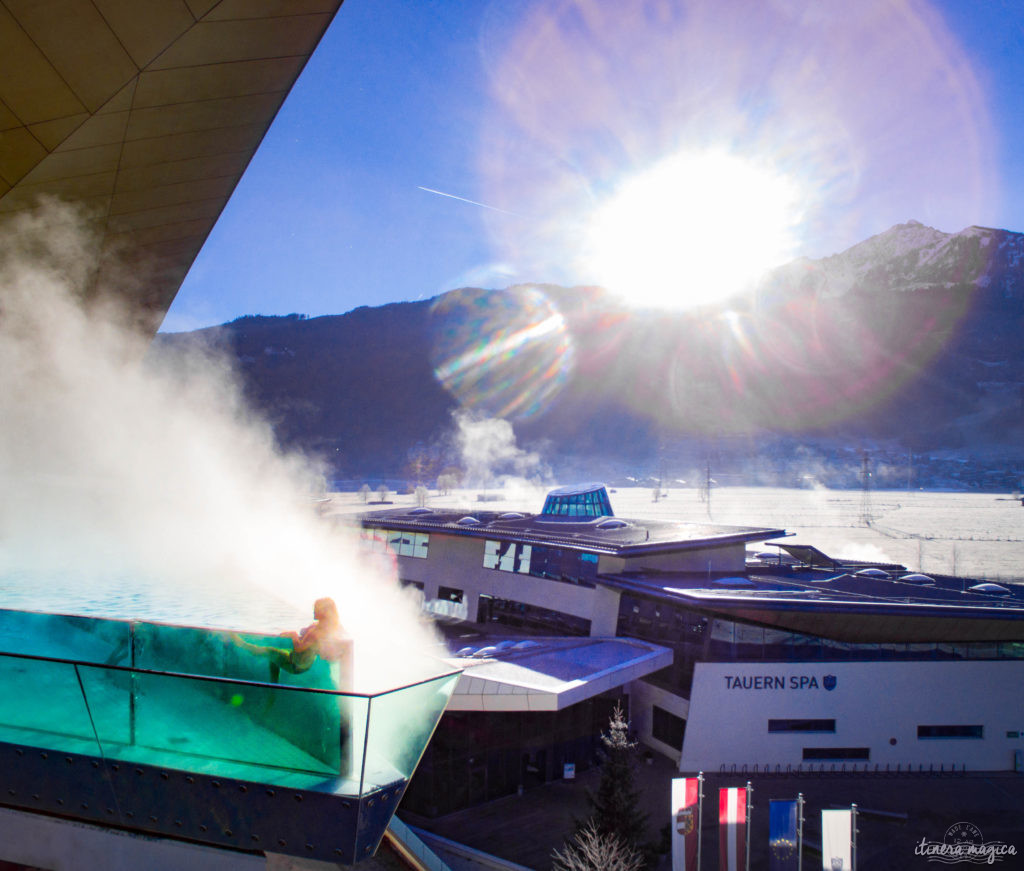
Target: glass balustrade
{"type": "Point", "coordinates": [201, 700]}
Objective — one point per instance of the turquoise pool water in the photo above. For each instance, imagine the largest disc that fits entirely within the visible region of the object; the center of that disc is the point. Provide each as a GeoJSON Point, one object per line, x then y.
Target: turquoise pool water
{"type": "Point", "coordinates": [193, 699]}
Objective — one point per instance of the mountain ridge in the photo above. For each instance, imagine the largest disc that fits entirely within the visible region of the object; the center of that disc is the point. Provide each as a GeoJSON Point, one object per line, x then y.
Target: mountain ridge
{"type": "Point", "coordinates": [911, 338]}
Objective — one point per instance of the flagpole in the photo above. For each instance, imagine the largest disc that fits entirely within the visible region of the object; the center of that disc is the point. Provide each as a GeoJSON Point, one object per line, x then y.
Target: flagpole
{"type": "Point", "coordinates": [700, 813]}
{"type": "Point", "coordinates": [750, 804]}
{"type": "Point", "coordinates": [853, 837]}
{"type": "Point", "coordinates": [799, 831]}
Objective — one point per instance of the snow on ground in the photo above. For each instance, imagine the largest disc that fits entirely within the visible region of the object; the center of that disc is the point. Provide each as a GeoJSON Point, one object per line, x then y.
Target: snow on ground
{"type": "Point", "coordinates": [975, 534]}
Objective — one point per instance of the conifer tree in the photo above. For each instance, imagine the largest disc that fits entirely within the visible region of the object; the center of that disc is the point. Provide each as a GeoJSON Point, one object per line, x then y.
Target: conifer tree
{"type": "Point", "coordinates": [616, 805]}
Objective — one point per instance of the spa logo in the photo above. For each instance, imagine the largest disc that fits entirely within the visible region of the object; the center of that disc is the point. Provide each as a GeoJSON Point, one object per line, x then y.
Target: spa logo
{"type": "Point", "coordinates": [963, 842]}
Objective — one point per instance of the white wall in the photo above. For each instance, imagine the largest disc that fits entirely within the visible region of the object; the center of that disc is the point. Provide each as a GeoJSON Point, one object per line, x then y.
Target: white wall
{"type": "Point", "coordinates": [878, 705]}
{"type": "Point", "coordinates": [642, 696]}
{"type": "Point", "coordinates": [457, 561]}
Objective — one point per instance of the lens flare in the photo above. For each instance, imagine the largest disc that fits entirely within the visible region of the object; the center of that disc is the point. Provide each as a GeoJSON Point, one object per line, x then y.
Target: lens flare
{"type": "Point", "coordinates": [646, 139]}
{"type": "Point", "coordinates": [694, 229]}
{"type": "Point", "coordinates": [501, 355]}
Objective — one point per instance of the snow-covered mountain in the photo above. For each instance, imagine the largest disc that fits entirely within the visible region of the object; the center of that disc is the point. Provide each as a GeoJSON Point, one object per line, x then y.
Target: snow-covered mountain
{"type": "Point", "coordinates": [912, 256]}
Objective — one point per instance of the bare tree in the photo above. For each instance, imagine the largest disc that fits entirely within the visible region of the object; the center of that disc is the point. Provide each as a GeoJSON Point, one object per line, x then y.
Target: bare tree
{"type": "Point", "coordinates": [421, 496]}
{"type": "Point", "coordinates": [364, 492]}
{"type": "Point", "coordinates": [382, 492]}
{"type": "Point", "coordinates": [589, 850]}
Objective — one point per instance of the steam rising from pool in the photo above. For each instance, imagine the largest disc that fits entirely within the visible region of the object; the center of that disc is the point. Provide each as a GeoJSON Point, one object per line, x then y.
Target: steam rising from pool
{"type": "Point", "coordinates": [144, 487]}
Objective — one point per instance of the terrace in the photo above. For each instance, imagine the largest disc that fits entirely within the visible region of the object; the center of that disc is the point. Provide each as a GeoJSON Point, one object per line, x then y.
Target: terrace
{"type": "Point", "coordinates": [176, 731]}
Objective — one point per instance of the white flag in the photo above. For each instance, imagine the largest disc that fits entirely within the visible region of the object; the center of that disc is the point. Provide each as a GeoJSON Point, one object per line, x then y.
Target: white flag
{"type": "Point", "coordinates": [836, 827]}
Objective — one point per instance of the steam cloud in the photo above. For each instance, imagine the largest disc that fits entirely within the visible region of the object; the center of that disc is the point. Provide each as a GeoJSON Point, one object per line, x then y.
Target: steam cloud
{"type": "Point", "coordinates": [145, 487]}
{"type": "Point", "coordinates": [491, 456]}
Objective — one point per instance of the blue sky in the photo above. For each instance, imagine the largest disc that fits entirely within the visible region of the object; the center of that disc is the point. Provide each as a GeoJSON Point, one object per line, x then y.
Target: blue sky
{"type": "Point", "coordinates": [542, 112]}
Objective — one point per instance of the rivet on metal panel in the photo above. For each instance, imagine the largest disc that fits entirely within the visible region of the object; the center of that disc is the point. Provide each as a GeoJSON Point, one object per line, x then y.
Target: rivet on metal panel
{"type": "Point", "coordinates": [270, 793]}
{"type": "Point", "coordinates": [116, 767]}
{"type": "Point", "coordinates": [130, 815]}
{"type": "Point", "coordinates": [68, 760]}
{"type": "Point", "coordinates": [35, 795]}
{"type": "Point", "coordinates": [346, 804]}
{"type": "Point", "coordinates": [11, 792]}
{"type": "Point", "coordinates": [215, 784]}
{"type": "Point", "coordinates": [297, 797]}
{"type": "Point", "coordinates": [164, 775]}
{"type": "Point", "coordinates": [338, 851]}
{"type": "Point", "coordinates": [254, 837]}
{"type": "Point", "coordinates": [95, 764]}
{"type": "Point", "coordinates": [309, 846]}
{"type": "Point", "coordinates": [370, 803]}
{"type": "Point", "coordinates": [243, 789]}
{"type": "Point", "coordinates": [190, 779]}
{"type": "Point", "coordinates": [281, 842]}
{"type": "Point", "coordinates": [45, 755]}
{"type": "Point", "coordinates": [228, 833]}
{"type": "Point", "coordinates": [152, 819]}
{"type": "Point", "coordinates": [60, 801]}
{"type": "Point", "coordinates": [110, 811]}
{"type": "Point", "coordinates": [85, 806]}
{"type": "Point", "coordinates": [202, 828]}
{"type": "Point", "coordinates": [366, 849]}
{"type": "Point", "coordinates": [138, 771]}
{"type": "Point", "coordinates": [177, 823]}
{"type": "Point", "coordinates": [20, 752]}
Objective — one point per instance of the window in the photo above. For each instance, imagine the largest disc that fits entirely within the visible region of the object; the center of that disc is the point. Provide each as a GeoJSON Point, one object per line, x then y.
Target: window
{"type": "Point", "coordinates": [449, 594]}
{"type": "Point", "coordinates": [396, 542]}
{"type": "Point", "coordinates": [507, 556]}
{"type": "Point", "coordinates": [812, 754]}
{"type": "Point", "coordinates": [532, 617]}
{"type": "Point", "coordinates": [801, 725]}
{"type": "Point", "coordinates": [667, 727]}
{"type": "Point", "coordinates": [553, 563]}
{"type": "Point", "coordinates": [954, 731]}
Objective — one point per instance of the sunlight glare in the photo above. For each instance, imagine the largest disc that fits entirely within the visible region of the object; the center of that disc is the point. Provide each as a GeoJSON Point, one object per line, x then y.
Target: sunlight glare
{"type": "Point", "coordinates": [696, 228]}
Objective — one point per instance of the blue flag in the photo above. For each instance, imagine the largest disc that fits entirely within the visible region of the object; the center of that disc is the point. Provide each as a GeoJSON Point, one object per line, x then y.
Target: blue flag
{"type": "Point", "coordinates": [782, 841]}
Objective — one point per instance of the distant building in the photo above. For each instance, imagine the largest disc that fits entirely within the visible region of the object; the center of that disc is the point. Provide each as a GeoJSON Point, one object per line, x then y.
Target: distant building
{"type": "Point", "coordinates": [777, 661]}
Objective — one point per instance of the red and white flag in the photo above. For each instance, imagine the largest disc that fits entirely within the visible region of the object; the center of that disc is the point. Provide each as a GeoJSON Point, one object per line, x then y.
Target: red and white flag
{"type": "Point", "coordinates": [732, 829]}
{"type": "Point", "coordinates": [685, 823]}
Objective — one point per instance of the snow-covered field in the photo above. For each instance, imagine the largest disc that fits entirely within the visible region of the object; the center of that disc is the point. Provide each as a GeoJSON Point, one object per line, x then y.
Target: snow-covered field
{"type": "Point", "coordinates": [975, 534]}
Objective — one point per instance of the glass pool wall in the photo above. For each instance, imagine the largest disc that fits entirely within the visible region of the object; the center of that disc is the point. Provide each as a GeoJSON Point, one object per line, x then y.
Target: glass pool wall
{"type": "Point", "coordinates": [197, 700]}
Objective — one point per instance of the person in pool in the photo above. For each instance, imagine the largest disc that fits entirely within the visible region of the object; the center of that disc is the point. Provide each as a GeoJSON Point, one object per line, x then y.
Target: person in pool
{"type": "Point", "coordinates": [325, 638]}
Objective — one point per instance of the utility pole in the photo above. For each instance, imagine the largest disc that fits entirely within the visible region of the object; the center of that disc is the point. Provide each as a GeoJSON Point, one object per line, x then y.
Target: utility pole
{"type": "Point", "coordinates": [865, 489]}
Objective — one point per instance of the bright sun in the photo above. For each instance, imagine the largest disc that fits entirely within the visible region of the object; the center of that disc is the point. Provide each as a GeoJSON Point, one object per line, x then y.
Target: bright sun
{"type": "Point", "coordinates": [694, 229]}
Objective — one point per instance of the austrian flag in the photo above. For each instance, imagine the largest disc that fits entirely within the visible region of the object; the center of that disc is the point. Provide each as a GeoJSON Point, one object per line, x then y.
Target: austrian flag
{"type": "Point", "coordinates": [732, 829]}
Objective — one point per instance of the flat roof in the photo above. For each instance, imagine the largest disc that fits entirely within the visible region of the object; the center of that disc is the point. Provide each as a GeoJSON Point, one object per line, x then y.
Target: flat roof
{"type": "Point", "coordinates": [608, 535]}
{"type": "Point", "coordinates": [840, 607]}
{"type": "Point", "coordinates": [545, 673]}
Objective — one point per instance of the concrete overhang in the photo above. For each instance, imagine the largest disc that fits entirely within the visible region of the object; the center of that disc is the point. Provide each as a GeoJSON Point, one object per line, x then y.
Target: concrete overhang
{"type": "Point", "coordinates": [549, 674]}
{"type": "Point", "coordinates": [145, 112]}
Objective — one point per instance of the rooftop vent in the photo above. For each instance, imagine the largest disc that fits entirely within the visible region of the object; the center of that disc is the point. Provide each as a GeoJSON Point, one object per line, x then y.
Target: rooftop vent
{"type": "Point", "coordinates": [484, 652]}
{"type": "Point", "coordinates": [612, 523]}
{"type": "Point", "coordinates": [511, 515]}
{"type": "Point", "coordinates": [420, 511]}
{"type": "Point", "coordinates": [881, 574]}
{"type": "Point", "coordinates": [468, 521]}
{"type": "Point", "coordinates": [577, 503]}
{"type": "Point", "coordinates": [917, 578]}
{"type": "Point", "coordinates": [990, 588]}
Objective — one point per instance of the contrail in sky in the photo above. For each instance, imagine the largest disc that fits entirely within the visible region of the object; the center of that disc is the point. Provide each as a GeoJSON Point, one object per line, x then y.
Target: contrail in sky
{"type": "Point", "coordinates": [471, 202]}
